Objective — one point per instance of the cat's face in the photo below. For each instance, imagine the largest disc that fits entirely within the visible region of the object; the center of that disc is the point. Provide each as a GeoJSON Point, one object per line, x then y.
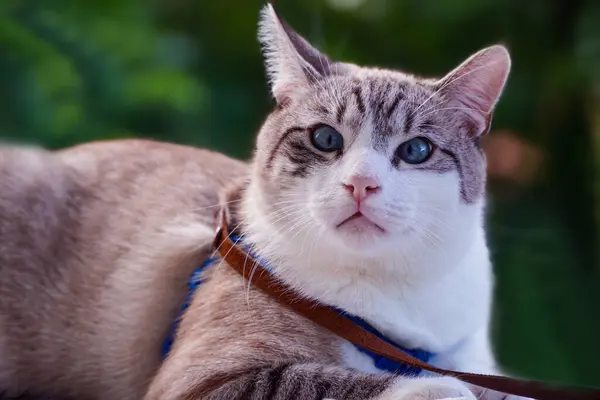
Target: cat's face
{"type": "Point", "coordinates": [371, 161]}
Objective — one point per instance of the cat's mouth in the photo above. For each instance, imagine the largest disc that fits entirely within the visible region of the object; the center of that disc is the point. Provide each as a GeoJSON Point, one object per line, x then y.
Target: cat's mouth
{"type": "Point", "coordinates": [360, 222]}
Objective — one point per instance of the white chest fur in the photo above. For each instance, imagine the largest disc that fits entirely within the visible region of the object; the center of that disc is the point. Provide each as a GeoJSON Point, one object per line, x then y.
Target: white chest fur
{"type": "Point", "coordinates": [439, 316]}
{"type": "Point", "coordinates": [442, 320]}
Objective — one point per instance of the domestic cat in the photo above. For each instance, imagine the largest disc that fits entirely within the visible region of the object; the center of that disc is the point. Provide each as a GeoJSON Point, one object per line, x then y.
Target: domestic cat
{"type": "Point", "coordinates": [365, 192]}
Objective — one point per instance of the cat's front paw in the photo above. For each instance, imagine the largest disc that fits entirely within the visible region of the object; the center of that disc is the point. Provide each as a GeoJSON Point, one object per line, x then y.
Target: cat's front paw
{"type": "Point", "coordinates": [427, 389]}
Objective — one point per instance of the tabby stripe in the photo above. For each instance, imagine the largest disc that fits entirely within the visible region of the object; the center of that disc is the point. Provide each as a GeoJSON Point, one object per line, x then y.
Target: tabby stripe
{"type": "Point", "coordinates": [270, 381]}
{"type": "Point", "coordinates": [357, 92]}
{"type": "Point", "coordinates": [426, 126]}
{"type": "Point", "coordinates": [300, 172]}
{"type": "Point", "coordinates": [302, 157]}
{"type": "Point", "coordinates": [408, 121]}
{"type": "Point", "coordinates": [452, 155]}
{"type": "Point", "coordinates": [294, 382]}
{"type": "Point", "coordinates": [322, 387]}
{"type": "Point", "coordinates": [307, 156]}
{"type": "Point", "coordinates": [394, 105]}
{"type": "Point", "coordinates": [341, 110]}
{"type": "Point", "coordinates": [304, 381]}
{"type": "Point", "coordinates": [323, 110]}
{"type": "Point", "coordinates": [278, 376]}
{"type": "Point", "coordinates": [300, 147]}
{"type": "Point", "coordinates": [378, 96]}
{"type": "Point", "coordinates": [298, 159]}
{"type": "Point", "coordinates": [285, 134]}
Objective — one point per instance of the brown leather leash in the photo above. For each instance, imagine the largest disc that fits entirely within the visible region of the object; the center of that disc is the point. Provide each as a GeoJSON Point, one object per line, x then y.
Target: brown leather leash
{"type": "Point", "coordinates": [342, 326]}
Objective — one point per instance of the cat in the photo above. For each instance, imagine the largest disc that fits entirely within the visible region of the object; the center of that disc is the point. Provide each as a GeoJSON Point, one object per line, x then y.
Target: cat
{"type": "Point", "coordinates": [366, 192]}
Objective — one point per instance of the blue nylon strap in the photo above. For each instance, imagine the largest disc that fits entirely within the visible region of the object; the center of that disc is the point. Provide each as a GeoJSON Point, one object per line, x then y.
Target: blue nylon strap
{"type": "Point", "coordinates": [381, 362]}
{"type": "Point", "coordinates": [193, 284]}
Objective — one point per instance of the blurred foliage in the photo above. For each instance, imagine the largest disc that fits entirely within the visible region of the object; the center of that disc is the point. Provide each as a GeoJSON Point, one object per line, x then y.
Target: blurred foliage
{"type": "Point", "coordinates": [191, 72]}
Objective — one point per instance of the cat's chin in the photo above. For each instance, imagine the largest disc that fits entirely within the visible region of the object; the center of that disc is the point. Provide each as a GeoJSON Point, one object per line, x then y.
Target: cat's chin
{"type": "Point", "coordinates": [359, 234]}
{"type": "Point", "coordinates": [359, 224]}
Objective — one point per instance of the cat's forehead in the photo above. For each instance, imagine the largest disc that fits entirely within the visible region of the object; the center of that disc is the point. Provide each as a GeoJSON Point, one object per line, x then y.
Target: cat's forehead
{"type": "Point", "coordinates": [374, 89]}
{"type": "Point", "coordinates": [389, 102]}
{"type": "Point", "coordinates": [377, 85]}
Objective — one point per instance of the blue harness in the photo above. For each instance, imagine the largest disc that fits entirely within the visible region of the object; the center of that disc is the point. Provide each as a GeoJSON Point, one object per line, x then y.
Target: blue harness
{"type": "Point", "coordinates": [381, 362]}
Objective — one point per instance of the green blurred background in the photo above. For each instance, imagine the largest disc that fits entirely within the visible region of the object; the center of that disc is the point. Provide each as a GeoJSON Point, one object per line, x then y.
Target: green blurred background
{"type": "Point", "coordinates": [190, 71]}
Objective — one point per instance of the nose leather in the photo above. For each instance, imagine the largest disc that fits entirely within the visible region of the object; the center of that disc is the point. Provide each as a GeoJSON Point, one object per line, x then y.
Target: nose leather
{"type": "Point", "coordinates": [361, 186]}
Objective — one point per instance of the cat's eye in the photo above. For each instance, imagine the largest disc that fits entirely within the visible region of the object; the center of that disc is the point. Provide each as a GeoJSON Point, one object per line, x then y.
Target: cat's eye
{"type": "Point", "coordinates": [415, 151]}
{"type": "Point", "coordinates": [327, 139]}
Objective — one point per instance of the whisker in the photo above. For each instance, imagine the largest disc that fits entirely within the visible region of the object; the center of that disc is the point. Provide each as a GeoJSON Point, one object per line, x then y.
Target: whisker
{"type": "Point", "coordinates": [215, 205]}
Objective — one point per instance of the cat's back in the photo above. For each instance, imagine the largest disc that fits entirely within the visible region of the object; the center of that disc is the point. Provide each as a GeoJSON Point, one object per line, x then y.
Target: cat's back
{"type": "Point", "coordinates": [96, 243]}
{"type": "Point", "coordinates": [66, 202]}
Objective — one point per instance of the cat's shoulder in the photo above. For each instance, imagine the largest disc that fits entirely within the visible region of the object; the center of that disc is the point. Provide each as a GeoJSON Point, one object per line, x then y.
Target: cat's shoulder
{"type": "Point", "coordinates": [114, 171]}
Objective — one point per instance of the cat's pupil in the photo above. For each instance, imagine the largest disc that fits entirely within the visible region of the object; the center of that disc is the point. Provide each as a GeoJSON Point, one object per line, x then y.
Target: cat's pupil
{"type": "Point", "coordinates": [415, 151]}
{"type": "Point", "coordinates": [327, 139]}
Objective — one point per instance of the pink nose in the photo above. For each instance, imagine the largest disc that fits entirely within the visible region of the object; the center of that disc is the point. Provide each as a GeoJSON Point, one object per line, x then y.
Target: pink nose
{"type": "Point", "coordinates": [360, 186]}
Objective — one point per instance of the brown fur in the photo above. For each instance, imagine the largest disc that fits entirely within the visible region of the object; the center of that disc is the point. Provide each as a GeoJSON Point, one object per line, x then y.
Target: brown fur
{"type": "Point", "coordinates": [96, 245]}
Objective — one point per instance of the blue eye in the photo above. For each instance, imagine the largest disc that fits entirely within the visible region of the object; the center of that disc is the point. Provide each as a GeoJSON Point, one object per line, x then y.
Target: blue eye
{"type": "Point", "coordinates": [415, 151]}
{"type": "Point", "coordinates": [327, 139]}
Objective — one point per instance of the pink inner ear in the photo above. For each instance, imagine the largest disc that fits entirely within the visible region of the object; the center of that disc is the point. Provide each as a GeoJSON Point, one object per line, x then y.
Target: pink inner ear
{"type": "Point", "coordinates": [288, 56]}
{"type": "Point", "coordinates": [476, 85]}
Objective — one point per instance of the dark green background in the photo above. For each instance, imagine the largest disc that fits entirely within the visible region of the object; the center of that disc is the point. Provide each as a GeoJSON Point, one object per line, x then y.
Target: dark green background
{"type": "Point", "coordinates": [190, 71]}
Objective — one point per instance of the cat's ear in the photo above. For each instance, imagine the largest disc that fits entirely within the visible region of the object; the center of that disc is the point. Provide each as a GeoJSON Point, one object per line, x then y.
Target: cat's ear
{"type": "Point", "coordinates": [475, 86]}
{"type": "Point", "coordinates": [292, 63]}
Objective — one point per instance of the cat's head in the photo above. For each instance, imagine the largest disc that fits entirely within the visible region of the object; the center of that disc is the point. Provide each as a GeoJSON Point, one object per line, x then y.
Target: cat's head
{"type": "Point", "coordinates": [367, 161]}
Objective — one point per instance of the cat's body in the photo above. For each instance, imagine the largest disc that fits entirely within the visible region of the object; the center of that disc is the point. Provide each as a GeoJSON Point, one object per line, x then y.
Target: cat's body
{"type": "Point", "coordinates": [97, 243]}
